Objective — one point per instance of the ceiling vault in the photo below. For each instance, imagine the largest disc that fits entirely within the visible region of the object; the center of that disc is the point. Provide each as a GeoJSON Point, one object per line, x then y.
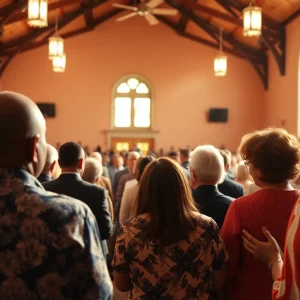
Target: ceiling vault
{"type": "Point", "coordinates": [275, 43]}
{"type": "Point", "coordinates": [257, 58]}
{"type": "Point", "coordinates": [273, 36]}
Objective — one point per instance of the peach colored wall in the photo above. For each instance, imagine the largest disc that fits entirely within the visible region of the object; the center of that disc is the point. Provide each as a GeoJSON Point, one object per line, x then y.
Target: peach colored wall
{"type": "Point", "coordinates": [180, 72]}
{"type": "Point", "coordinates": [281, 108]}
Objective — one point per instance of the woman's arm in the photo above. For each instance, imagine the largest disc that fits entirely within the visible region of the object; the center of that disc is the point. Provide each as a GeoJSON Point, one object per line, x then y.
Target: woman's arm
{"type": "Point", "coordinates": [122, 281]}
{"type": "Point", "coordinates": [124, 208]}
{"type": "Point", "coordinates": [218, 279]}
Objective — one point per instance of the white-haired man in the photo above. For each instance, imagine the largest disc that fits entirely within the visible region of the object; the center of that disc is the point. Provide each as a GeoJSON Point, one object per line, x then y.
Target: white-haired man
{"type": "Point", "coordinates": [51, 162]}
{"type": "Point", "coordinates": [206, 171]}
{"type": "Point", "coordinates": [92, 174]}
{"type": "Point", "coordinates": [98, 156]}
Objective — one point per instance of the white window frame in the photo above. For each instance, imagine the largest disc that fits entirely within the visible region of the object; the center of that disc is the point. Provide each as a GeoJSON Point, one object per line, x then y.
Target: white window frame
{"type": "Point", "coordinates": [131, 95]}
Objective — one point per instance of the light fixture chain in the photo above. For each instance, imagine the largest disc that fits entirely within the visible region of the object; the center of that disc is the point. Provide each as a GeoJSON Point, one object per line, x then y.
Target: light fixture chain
{"type": "Point", "coordinates": [221, 40]}
{"type": "Point", "coordinates": [56, 23]}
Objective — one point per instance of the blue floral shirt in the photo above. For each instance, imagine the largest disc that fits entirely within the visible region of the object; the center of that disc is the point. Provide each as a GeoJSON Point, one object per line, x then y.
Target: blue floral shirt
{"type": "Point", "coordinates": [49, 245]}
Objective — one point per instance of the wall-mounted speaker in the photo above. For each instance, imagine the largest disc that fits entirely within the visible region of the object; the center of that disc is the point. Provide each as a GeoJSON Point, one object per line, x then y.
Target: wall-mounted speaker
{"type": "Point", "coordinates": [218, 115]}
{"type": "Point", "coordinates": [47, 109]}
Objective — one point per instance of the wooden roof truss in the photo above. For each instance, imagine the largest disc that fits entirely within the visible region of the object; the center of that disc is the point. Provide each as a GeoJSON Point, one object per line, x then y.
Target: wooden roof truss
{"type": "Point", "coordinates": [273, 36]}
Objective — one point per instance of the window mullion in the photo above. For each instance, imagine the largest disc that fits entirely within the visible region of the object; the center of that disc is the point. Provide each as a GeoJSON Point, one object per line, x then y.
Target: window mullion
{"type": "Point", "coordinates": [132, 96]}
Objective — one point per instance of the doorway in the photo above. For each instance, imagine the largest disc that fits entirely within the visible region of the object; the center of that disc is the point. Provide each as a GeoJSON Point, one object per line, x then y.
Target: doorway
{"type": "Point", "coordinates": [131, 144]}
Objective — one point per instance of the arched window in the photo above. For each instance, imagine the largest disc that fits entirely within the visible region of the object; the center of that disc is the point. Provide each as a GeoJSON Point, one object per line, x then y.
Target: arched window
{"type": "Point", "coordinates": [132, 103]}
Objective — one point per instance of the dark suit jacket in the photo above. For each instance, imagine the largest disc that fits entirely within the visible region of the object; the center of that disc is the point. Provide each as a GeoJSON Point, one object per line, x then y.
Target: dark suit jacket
{"type": "Point", "coordinates": [212, 203]}
{"type": "Point", "coordinates": [116, 180]}
{"type": "Point", "coordinates": [44, 178]}
{"type": "Point", "coordinates": [231, 188]}
{"type": "Point", "coordinates": [94, 196]}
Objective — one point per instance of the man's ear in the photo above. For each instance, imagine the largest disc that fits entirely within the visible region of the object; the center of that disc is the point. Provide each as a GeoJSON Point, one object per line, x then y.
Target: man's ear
{"type": "Point", "coordinates": [52, 166]}
{"type": "Point", "coordinates": [227, 167]}
{"type": "Point", "coordinates": [31, 149]}
{"type": "Point", "coordinates": [80, 164]}
{"type": "Point", "coordinates": [96, 180]}
{"type": "Point", "coordinates": [193, 175]}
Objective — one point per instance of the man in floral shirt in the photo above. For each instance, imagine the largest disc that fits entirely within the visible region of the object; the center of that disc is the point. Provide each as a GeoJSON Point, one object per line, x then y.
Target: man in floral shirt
{"type": "Point", "coordinates": [49, 244]}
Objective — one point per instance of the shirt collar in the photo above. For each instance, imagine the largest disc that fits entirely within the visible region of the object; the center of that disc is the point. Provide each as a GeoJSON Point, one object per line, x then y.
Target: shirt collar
{"type": "Point", "coordinates": [21, 174]}
{"type": "Point", "coordinates": [73, 173]}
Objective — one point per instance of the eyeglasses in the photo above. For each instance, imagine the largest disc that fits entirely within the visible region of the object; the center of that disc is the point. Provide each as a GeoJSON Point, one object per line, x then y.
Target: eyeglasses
{"type": "Point", "coordinates": [247, 164]}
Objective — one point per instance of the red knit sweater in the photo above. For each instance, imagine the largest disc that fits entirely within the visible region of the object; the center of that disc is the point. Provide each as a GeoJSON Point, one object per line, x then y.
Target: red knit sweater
{"type": "Point", "coordinates": [249, 278]}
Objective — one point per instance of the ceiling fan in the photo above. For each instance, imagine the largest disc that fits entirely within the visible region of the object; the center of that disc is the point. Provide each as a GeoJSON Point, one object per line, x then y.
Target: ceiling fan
{"type": "Point", "coordinates": [147, 10]}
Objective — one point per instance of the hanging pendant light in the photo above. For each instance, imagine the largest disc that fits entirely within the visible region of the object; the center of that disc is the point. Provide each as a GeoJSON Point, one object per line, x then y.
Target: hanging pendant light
{"type": "Point", "coordinates": [252, 19]}
{"type": "Point", "coordinates": [220, 62]}
{"type": "Point", "coordinates": [38, 13]}
{"type": "Point", "coordinates": [56, 43]}
{"type": "Point", "coordinates": [59, 63]}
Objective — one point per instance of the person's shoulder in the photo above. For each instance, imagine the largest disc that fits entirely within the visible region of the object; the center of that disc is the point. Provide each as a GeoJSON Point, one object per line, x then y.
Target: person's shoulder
{"type": "Point", "coordinates": [206, 222]}
{"type": "Point", "coordinates": [232, 183]}
{"type": "Point", "coordinates": [50, 183]}
{"type": "Point", "coordinates": [92, 187]}
{"type": "Point", "coordinates": [139, 223]}
{"type": "Point", "coordinates": [226, 199]}
{"type": "Point", "coordinates": [57, 204]}
{"type": "Point", "coordinates": [247, 199]}
{"type": "Point", "coordinates": [105, 180]}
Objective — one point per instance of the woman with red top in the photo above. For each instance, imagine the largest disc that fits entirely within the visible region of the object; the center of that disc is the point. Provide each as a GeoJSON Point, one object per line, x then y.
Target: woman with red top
{"type": "Point", "coordinates": [286, 272]}
{"type": "Point", "coordinates": [272, 156]}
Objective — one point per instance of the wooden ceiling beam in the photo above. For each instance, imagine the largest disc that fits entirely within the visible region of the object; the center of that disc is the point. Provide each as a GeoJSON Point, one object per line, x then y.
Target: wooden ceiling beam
{"type": "Point", "coordinates": [275, 42]}
{"type": "Point", "coordinates": [45, 42]}
{"type": "Point", "coordinates": [21, 15]}
{"type": "Point", "coordinates": [233, 19]}
{"type": "Point", "coordinates": [88, 15]}
{"type": "Point", "coordinates": [183, 23]}
{"type": "Point", "coordinates": [213, 12]}
{"type": "Point", "coordinates": [225, 5]}
{"type": "Point", "coordinates": [252, 54]}
{"type": "Point", "coordinates": [291, 18]}
{"type": "Point", "coordinates": [184, 20]}
{"type": "Point", "coordinates": [197, 39]}
{"type": "Point", "coordinates": [67, 18]}
{"type": "Point", "coordinates": [278, 49]}
{"type": "Point", "coordinates": [10, 9]}
{"type": "Point", "coordinates": [271, 24]}
{"type": "Point", "coordinates": [67, 35]}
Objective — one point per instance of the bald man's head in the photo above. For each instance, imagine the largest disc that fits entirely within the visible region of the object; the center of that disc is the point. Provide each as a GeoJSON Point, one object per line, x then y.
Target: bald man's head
{"type": "Point", "coordinates": [22, 134]}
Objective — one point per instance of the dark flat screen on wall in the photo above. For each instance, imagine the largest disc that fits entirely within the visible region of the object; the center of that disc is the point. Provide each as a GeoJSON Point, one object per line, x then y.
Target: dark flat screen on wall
{"type": "Point", "coordinates": [47, 109]}
{"type": "Point", "coordinates": [218, 115]}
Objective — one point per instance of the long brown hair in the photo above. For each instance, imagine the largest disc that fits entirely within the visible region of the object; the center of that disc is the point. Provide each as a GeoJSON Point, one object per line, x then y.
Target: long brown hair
{"type": "Point", "coordinates": [164, 193]}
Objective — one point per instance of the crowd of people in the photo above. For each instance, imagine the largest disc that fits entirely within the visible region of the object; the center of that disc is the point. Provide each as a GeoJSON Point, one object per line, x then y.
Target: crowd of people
{"type": "Point", "coordinates": [199, 223]}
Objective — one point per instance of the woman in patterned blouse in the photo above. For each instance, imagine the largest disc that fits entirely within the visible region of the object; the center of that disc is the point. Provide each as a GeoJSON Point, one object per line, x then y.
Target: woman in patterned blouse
{"type": "Point", "coordinates": [170, 250]}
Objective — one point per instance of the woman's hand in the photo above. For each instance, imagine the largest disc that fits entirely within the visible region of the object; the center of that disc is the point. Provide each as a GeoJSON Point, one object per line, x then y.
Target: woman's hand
{"type": "Point", "coordinates": [266, 252]}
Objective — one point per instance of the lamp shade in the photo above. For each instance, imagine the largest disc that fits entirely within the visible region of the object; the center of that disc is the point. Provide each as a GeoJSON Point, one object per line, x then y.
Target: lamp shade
{"type": "Point", "coordinates": [38, 13]}
{"type": "Point", "coordinates": [220, 65]}
{"type": "Point", "coordinates": [56, 46]}
{"type": "Point", "coordinates": [252, 19]}
{"type": "Point", "coordinates": [59, 63]}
